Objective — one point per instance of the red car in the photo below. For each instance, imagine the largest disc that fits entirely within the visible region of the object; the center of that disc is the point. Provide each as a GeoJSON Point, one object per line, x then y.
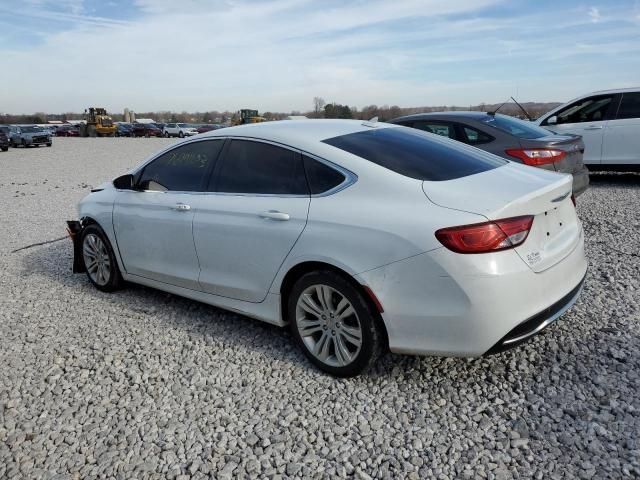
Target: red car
{"type": "Point", "coordinates": [207, 128]}
{"type": "Point", "coordinates": [145, 130]}
{"type": "Point", "coordinates": [67, 131]}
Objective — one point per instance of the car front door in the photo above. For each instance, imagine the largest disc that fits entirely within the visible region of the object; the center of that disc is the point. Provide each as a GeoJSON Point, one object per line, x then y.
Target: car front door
{"type": "Point", "coordinates": [621, 144]}
{"type": "Point", "coordinates": [153, 224]}
{"type": "Point", "coordinates": [251, 219]}
{"type": "Point", "coordinates": [587, 117]}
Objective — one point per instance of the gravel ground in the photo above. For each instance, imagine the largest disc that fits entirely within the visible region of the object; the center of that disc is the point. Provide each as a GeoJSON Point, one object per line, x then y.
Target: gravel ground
{"type": "Point", "coordinates": [142, 384]}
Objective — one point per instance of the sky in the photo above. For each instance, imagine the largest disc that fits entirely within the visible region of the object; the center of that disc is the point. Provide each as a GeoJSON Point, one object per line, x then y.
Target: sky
{"type": "Point", "coordinates": [277, 55]}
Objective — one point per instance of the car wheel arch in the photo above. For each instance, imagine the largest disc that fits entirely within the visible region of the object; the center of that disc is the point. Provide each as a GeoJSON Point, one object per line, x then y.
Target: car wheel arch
{"type": "Point", "coordinates": [299, 270]}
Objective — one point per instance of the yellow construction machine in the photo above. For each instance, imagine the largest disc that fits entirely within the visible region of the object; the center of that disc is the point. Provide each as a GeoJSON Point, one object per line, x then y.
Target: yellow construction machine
{"type": "Point", "coordinates": [247, 116]}
{"type": "Point", "coordinates": [97, 123]}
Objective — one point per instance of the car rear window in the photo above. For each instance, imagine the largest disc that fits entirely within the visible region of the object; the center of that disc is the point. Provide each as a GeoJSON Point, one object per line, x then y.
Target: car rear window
{"type": "Point", "coordinates": [416, 154]}
{"type": "Point", "coordinates": [514, 126]}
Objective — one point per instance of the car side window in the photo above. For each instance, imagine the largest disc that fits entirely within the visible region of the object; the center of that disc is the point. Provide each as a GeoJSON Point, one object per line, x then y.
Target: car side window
{"type": "Point", "coordinates": [321, 177]}
{"type": "Point", "coordinates": [475, 137]}
{"type": "Point", "coordinates": [182, 169]}
{"type": "Point", "coordinates": [439, 128]}
{"type": "Point", "coordinates": [591, 109]}
{"type": "Point", "coordinates": [249, 167]}
{"type": "Point", "coordinates": [629, 106]}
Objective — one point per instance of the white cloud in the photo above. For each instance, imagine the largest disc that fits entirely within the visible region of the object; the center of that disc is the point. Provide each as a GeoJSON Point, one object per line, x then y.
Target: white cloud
{"type": "Point", "coordinates": [279, 54]}
{"type": "Point", "coordinates": [594, 14]}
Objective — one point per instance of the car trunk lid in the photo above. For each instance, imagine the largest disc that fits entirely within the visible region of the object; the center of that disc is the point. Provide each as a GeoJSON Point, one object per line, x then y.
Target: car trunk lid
{"type": "Point", "coordinates": [572, 145]}
{"type": "Point", "coordinates": [514, 190]}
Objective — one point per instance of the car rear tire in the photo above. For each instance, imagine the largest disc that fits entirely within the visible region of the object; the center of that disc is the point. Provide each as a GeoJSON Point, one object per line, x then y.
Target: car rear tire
{"type": "Point", "coordinates": [4, 149]}
{"type": "Point", "coordinates": [181, 135]}
{"type": "Point", "coordinates": [99, 260]}
{"type": "Point", "coordinates": [48, 144]}
{"type": "Point", "coordinates": [333, 323]}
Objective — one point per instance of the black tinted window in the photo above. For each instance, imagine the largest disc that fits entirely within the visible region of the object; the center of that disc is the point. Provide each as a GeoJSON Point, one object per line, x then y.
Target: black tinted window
{"type": "Point", "coordinates": [590, 109]}
{"type": "Point", "coordinates": [415, 154]}
{"type": "Point", "coordinates": [514, 126]}
{"type": "Point", "coordinates": [630, 106]}
{"type": "Point", "coordinates": [322, 178]}
{"type": "Point", "coordinates": [182, 169]}
{"type": "Point", "coordinates": [261, 168]}
{"type": "Point", "coordinates": [475, 137]}
{"type": "Point", "coordinates": [444, 129]}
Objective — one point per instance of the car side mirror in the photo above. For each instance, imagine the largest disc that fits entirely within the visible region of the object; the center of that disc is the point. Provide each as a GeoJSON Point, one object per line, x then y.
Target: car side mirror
{"type": "Point", "coordinates": [125, 182]}
{"type": "Point", "coordinates": [552, 120]}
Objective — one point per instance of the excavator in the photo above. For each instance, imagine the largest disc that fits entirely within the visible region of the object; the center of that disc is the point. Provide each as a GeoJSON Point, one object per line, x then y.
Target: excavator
{"type": "Point", "coordinates": [247, 116]}
{"type": "Point", "coordinates": [97, 123]}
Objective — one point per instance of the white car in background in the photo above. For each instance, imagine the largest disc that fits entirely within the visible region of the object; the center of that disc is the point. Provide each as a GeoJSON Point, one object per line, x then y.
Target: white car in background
{"type": "Point", "coordinates": [609, 123]}
{"type": "Point", "coordinates": [179, 130]}
{"type": "Point", "coordinates": [361, 236]}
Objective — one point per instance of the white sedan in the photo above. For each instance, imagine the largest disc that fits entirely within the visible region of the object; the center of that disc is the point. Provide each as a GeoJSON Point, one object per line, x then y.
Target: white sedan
{"type": "Point", "coordinates": [361, 236]}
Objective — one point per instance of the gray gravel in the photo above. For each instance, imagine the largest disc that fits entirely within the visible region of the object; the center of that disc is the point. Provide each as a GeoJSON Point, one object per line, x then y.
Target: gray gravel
{"type": "Point", "coordinates": [142, 384]}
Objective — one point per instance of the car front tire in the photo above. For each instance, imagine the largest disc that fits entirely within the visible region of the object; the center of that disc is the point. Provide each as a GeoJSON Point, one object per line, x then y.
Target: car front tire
{"type": "Point", "coordinates": [333, 323]}
{"type": "Point", "coordinates": [99, 260]}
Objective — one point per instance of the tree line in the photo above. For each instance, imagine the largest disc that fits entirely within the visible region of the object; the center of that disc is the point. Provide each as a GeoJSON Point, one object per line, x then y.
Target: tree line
{"type": "Point", "coordinates": [320, 109]}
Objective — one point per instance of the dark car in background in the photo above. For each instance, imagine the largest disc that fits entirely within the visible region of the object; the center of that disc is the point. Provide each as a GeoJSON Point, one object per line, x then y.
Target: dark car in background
{"type": "Point", "coordinates": [4, 142]}
{"type": "Point", "coordinates": [4, 139]}
{"type": "Point", "coordinates": [207, 128]}
{"type": "Point", "coordinates": [68, 131]}
{"type": "Point", "coordinates": [145, 130]}
{"type": "Point", "coordinates": [151, 130]}
{"type": "Point", "coordinates": [510, 138]}
{"type": "Point", "coordinates": [124, 130]}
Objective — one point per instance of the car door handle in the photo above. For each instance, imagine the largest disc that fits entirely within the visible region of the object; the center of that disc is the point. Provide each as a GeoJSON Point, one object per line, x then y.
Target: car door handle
{"type": "Point", "coordinates": [181, 207]}
{"type": "Point", "coordinates": [275, 215]}
{"type": "Point", "coordinates": [594, 127]}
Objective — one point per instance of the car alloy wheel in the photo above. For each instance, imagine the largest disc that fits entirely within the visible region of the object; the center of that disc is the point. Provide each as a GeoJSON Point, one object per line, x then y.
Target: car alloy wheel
{"type": "Point", "coordinates": [96, 259]}
{"type": "Point", "coordinates": [328, 325]}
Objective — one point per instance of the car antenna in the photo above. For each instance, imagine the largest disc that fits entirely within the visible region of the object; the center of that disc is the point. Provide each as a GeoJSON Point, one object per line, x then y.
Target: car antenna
{"type": "Point", "coordinates": [522, 108]}
{"type": "Point", "coordinates": [371, 123]}
{"type": "Point", "coordinates": [492, 113]}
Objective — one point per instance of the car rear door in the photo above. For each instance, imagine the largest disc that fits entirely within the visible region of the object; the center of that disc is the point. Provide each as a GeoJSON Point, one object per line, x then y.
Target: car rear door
{"type": "Point", "coordinates": [154, 225]}
{"type": "Point", "coordinates": [588, 118]}
{"type": "Point", "coordinates": [621, 145]}
{"type": "Point", "coordinates": [251, 219]}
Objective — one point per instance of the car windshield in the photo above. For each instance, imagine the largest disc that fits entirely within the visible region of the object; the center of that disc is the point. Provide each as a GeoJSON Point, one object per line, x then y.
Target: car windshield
{"type": "Point", "coordinates": [417, 154]}
{"type": "Point", "coordinates": [31, 129]}
{"type": "Point", "coordinates": [514, 126]}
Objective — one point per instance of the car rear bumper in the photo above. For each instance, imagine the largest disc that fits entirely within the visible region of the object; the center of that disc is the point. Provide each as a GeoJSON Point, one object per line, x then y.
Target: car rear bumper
{"type": "Point", "coordinates": [580, 181]}
{"type": "Point", "coordinates": [534, 325]}
{"type": "Point", "coordinates": [443, 303]}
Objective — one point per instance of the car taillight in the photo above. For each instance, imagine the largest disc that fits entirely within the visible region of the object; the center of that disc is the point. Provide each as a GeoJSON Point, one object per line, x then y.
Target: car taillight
{"type": "Point", "coordinates": [536, 156]}
{"type": "Point", "coordinates": [486, 237]}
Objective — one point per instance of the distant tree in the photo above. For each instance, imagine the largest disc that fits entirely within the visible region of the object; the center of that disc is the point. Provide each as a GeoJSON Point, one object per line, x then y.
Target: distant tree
{"type": "Point", "coordinates": [335, 110]}
{"type": "Point", "coordinates": [318, 106]}
{"type": "Point", "coordinates": [206, 118]}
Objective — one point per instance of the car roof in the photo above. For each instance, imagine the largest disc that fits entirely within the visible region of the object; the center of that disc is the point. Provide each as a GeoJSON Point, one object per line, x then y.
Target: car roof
{"type": "Point", "coordinates": [613, 90]}
{"type": "Point", "coordinates": [297, 133]}
{"type": "Point", "coordinates": [473, 115]}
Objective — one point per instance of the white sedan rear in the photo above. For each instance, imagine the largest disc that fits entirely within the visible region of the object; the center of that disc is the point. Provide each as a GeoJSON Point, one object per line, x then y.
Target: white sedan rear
{"type": "Point", "coordinates": [360, 236]}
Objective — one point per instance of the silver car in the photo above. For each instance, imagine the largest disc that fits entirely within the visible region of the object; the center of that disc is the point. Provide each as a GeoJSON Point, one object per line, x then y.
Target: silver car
{"type": "Point", "coordinates": [510, 138]}
{"type": "Point", "coordinates": [29, 136]}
